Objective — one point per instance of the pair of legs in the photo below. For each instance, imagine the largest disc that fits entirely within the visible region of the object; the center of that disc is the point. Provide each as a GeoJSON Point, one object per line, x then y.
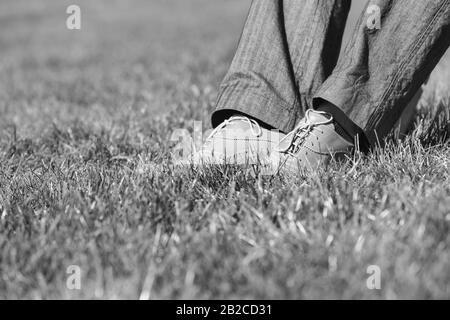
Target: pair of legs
{"type": "Point", "coordinates": [288, 62]}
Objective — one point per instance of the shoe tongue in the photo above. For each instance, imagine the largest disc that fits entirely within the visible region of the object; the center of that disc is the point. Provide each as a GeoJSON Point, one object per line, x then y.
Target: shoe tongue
{"type": "Point", "coordinates": [319, 117]}
{"type": "Point", "coordinates": [313, 117]}
{"type": "Point", "coordinates": [238, 124]}
{"type": "Point", "coordinates": [234, 127]}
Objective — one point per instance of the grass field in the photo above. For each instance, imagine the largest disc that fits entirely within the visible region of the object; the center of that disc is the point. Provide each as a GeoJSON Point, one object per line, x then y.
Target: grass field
{"type": "Point", "coordinates": [85, 177]}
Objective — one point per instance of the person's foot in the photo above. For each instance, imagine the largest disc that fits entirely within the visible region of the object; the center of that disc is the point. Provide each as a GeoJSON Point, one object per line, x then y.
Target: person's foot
{"type": "Point", "coordinates": [312, 143]}
{"type": "Point", "coordinates": [238, 140]}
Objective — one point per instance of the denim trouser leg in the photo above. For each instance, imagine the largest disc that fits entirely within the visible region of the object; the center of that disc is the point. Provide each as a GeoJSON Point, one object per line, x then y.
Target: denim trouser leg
{"type": "Point", "coordinates": [287, 50]}
{"type": "Point", "coordinates": [382, 69]}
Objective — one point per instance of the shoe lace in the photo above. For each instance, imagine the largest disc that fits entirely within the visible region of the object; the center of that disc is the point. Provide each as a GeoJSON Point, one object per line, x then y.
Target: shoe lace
{"type": "Point", "coordinates": [302, 131]}
{"type": "Point", "coordinates": [255, 128]}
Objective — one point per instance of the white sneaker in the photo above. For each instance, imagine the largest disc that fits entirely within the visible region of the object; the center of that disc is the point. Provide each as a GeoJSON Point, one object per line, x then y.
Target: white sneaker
{"type": "Point", "coordinates": [312, 143]}
{"type": "Point", "coordinates": [236, 141]}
